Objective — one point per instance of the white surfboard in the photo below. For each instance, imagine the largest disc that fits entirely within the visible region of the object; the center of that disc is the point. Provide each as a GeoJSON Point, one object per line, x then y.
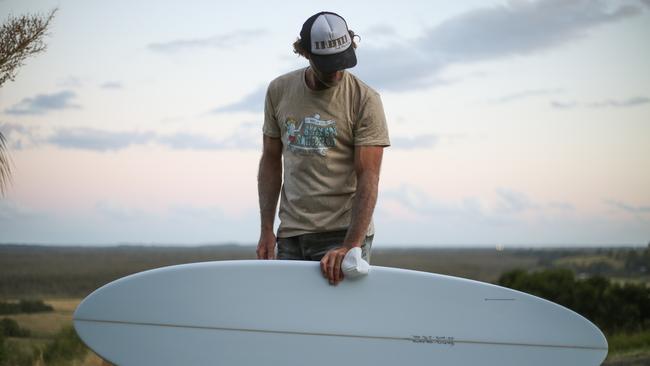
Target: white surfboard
{"type": "Point", "coordinates": [286, 313]}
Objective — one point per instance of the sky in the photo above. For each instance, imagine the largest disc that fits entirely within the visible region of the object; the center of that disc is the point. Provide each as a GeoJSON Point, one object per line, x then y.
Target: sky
{"type": "Point", "coordinates": [516, 123]}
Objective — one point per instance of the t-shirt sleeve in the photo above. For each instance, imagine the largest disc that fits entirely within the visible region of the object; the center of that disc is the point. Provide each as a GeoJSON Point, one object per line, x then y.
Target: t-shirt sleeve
{"type": "Point", "coordinates": [271, 127]}
{"type": "Point", "coordinates": [371, 128]}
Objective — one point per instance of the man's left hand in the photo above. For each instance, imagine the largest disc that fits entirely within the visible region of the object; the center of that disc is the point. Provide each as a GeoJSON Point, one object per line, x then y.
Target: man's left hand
{"type": "Point", "coordinates": [330, 265]}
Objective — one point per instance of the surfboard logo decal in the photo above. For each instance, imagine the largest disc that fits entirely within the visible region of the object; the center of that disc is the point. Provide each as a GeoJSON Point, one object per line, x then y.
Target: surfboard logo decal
{"type": "Point", "coordinates": [433, 340]}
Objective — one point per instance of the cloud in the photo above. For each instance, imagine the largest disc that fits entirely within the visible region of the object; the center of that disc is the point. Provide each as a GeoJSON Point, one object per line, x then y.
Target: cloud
{"type": "Point", "coordinates": [527, 94]}
{"type": "Point", "coordinates": [114, 222]}
{"type": "Point", "coordinates": [382, 30]}
{"type": "Point", "coordinates": [632, 209]}
{"type": "Point", "coordinates": [399, 68]}
{"type": "Point", "coordinates": [10, 210]}
{"type": "Point", "coordinates": [608, 103]}
{"type": "Point", "coordinates": [513, 202]}
{"type": "Point", "coordinates": [44, 103]}
{"type": "Point", "coordinates": [193, 213]}
{"type": "Point", "coordinates": [564, 206]}
{"type": "Point", "coordinates": [516, 28]}
{"type": "Point", "coordinates": [418, 142]}
{"type": "Point", "coordinates": [407, 214]}
{"type": "Point", "coordinates": [253, 102]}
{"type": "Point", "coordinates": [630, 102]}
{"type": "Point", "coordinates": [247, 136]}
{"type": "Point", "coordinates": [8, 128]}
{"type": "Point", "coordinates": [508, 206]}
{"type": "Point", "coordinates": [112, 85]}
{"type": "Point", "coordinates": [519, 28]}
{"type": "Point", "coordinates": [185, 141]}
{"type": "Point", "coordinates": [220, 41]}
{"type": "Point", "coordinates": [70, 82]}
{"type": "Point", "coordinates": [421, 203]}
{"type": "Point", "coordinates": [102, 140]}
{"type": "Point", "coordinates": [17, 135]}
{"type": "Point", "coordinates": [563, 105]}
{"type": "Point", "coordinates": [552, 228]}
{"type": "Point", "coordinates": [98, 140]}
{"type": "Point", "coordinates": [117, 212]}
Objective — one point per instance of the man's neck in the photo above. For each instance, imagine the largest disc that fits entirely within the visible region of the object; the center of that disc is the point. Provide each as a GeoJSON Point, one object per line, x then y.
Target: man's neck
{"type": "Point", "coordinates": [313, 82]}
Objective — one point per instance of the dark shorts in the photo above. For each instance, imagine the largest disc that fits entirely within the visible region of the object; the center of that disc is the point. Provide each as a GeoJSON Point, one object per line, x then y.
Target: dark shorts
{"type": "Point", "coordinates": [312, 247]}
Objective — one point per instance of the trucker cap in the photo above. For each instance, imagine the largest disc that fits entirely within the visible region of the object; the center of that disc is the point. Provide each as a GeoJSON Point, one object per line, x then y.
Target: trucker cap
{"type": "Point", "coordinates": [326, 37]}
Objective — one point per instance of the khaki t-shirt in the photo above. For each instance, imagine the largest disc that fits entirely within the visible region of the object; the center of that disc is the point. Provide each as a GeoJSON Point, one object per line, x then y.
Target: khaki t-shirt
{"type": "Point", "coordinates": [319, 130]}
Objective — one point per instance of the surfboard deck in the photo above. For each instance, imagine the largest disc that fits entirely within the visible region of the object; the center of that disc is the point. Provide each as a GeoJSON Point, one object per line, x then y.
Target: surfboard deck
{"type": "Point", "coordinates": [286, 313]}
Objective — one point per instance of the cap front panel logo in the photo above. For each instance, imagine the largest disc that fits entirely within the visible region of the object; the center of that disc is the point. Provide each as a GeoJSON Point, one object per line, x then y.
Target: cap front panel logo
{"type": "Point", "coordinates": [329, 35]}
{"type": "Point", "coordinates": [339, 43]}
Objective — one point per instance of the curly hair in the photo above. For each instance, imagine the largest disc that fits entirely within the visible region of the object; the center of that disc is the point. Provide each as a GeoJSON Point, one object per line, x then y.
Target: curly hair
{"type": "Point", "coordinates": [301, 51]}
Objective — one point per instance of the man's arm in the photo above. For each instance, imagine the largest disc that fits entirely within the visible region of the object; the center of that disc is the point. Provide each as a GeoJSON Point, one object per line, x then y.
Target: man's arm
{"type": "Point", "coordinates": [367, 164]}
{"type": "Point", "coordinates": [269, 183]}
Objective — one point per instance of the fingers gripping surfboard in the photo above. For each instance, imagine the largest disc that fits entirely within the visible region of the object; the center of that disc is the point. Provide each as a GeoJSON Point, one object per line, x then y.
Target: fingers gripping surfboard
{"type": "Point", "coordinates": [285, 313]}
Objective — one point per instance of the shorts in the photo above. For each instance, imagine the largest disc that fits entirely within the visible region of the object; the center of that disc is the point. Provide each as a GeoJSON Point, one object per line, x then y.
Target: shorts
{"type": "Point", "coordinates": [314, 246]}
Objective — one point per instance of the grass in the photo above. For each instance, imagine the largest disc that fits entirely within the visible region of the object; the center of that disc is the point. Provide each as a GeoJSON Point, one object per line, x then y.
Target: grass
{"type": "Point", "coordinates": [628, 349]}
{"type": "Point", "coordinates": [626, 343]}
{"type": "Point", "coordinates": [42, 272]}
{"type": "Point", "coordinates": [92, 360]}
{"type": "Point", "coordinates": [46, 272]}
{"type": "Point", "coordinates": [584, 261]}
{"type": "Point", "coordinates": [478, 264]}
{"type": "Point", "coordinates": [22, 350]}
{"type": "Point", "coordinates": [636, 357]}
{"type": "Point", "coordinates": [46, 325]}
{"type": "Point", "coordinates": [635, 281]}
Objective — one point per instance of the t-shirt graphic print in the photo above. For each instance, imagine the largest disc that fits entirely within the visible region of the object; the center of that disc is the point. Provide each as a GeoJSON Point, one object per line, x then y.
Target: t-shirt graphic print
{"type": "Point", "coordinates": [312, 136]}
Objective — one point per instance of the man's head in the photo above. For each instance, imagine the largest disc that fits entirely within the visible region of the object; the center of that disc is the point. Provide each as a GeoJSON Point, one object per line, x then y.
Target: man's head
{"type": "Point", "coordinates": [327, 42]}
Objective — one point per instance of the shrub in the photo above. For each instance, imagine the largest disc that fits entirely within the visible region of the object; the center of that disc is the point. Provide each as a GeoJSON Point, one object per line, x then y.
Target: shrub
{"type": "Point", "coordinates": [625, 341]}
{"type": "Point", "coordinates": [3, 349]}
{"type": "Point", "coordinates": [614, 308]}
{"type": "Point", "coordinates": [15, 353]}
{"type": "Point", "coordinates": [10, 328]}
{"type": "Point", "coordinates": [66, 346]}
{"type": "Point", "coordinates": [24, 306]}
{"type": "Point", "coordinates": [34, 306]}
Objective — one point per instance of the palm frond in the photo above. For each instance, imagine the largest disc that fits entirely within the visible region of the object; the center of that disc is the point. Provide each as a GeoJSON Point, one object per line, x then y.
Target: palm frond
{"type": "Point", "coordinates": [5, 166]}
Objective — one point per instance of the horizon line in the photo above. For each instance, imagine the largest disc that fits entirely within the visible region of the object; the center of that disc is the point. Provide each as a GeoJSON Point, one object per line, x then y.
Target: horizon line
{"type": "Point", "coordinates": [495, 246]}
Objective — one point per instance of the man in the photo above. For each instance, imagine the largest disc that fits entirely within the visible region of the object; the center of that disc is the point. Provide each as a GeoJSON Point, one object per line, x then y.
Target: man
{"type": "Point", "coordinates": [330, 128]}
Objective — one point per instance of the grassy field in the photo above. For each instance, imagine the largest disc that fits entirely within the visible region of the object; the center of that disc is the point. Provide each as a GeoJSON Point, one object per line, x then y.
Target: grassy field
{"type": "Point", "coordinates": [64, 275]}
{"type": "Point", "coordinates": [32, 271]}
{"type": "Point", "coordinates": [478, 264]}
{"type": "Point", "coordinates": [45, 326]}
{"type": "Point", "coordinates": [590, 260]}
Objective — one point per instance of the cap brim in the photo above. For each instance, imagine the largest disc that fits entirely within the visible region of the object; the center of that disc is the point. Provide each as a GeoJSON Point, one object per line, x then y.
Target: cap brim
{"type": "Point", "coordinates": [331, 63]}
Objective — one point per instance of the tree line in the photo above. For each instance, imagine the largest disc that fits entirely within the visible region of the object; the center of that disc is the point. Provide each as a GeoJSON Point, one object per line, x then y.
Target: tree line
{"type": "Point", "coordinates": [614, 308]}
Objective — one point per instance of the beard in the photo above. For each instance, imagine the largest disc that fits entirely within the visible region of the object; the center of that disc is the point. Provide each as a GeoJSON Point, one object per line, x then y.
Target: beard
{"type": "Point", "coordinates": [330, 80]}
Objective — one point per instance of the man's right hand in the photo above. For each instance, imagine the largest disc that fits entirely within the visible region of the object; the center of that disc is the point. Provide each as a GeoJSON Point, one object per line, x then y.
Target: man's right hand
{"type": "Point", "coordinates": [266, 246]}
